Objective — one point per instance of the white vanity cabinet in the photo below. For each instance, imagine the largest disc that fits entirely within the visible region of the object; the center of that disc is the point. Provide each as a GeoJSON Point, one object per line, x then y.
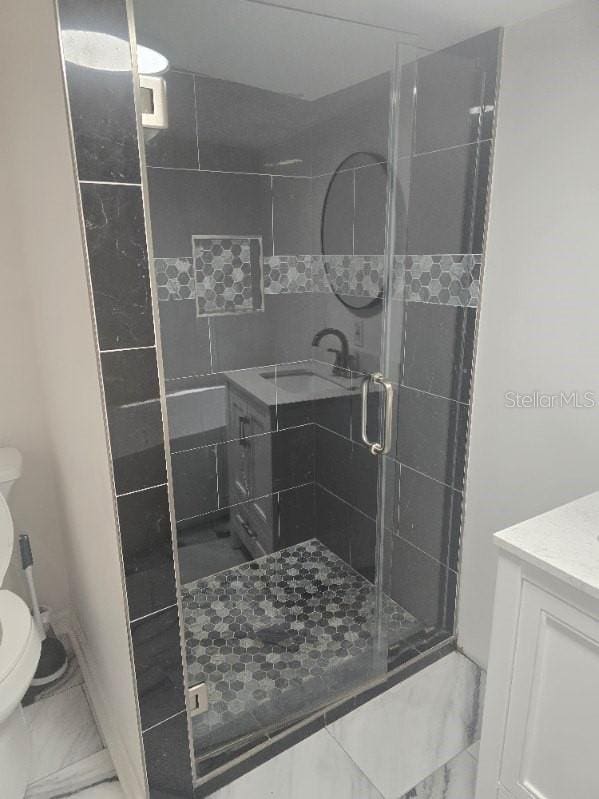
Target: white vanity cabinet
{"type": "Point", "coordinates": [540, 734]}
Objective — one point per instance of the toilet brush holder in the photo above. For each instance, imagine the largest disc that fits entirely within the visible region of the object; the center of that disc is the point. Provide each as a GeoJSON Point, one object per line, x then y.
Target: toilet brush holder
{"type": "Point", "coordinates": [53, 660]}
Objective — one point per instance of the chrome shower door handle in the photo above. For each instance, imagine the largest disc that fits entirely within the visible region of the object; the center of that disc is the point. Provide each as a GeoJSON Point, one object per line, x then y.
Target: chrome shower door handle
{"type": "Point", "coordinates": [383, 447]}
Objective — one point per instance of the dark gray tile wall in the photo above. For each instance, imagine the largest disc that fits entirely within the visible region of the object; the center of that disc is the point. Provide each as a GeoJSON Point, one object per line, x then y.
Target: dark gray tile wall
{"type": "Point", "coordinates": [447, 108]}
{"type": "Point", "coordinates": [426, 587]}
{"type": "Point", "coordinates": [450, 85]}
{"type": "Point", "coordinates": [338, 235]}
{"type": "Point", "coordinates": [293, 457]}
{"type": "Point", "coordinates": [297, 515]}
{"type": "Point", "coordinates": [187, 203]}
{"type": "Point", "coordinates": [348, 470]}
{"type": "Point", "coordinates": [424, 503]}
{"type": "Point", "coordinates": [116, 245]}
{"type": "Point", "coordinates": [370, 209]}
{"type": "Point", "coordinates": [292, 215]}
{"type": "Point", "coordinates": [256, 332]}
{"type": "Point", "coordinates": [167, 758]}
{"type": "Point", "coordinates": [356, 119]}
{"type": "Point", "coordinates": [195, 482]}
{"type": "Point", "coordinates": [438, 349]}
{"type": "Point", "coordinates": [158, 666]}
{"type": "Point", "coordinates": [480, 206]}
{"type": "Point", "coordinates": [104, 131]}
{"type": "Point", "coordinates": [442, 194]}
{"type": "Point", "coordinates": [177, 145]}
{"type": "Point", "coordinates": [228, 146]}
{"type": "Point", "coordinates": [134, 418]}
{"type": "Point", "coordinates": [185, 340]}
{"type": "Point", "coordinates": [292, 155]}
{"type": "Point", "coordinates": [101, 101]}
{"type": "Point", "coordinates": [144, 519]}
{"type": "Point", "coordinates": [430, 516]}
{"type": "Point", "coordinates": [346, 531]}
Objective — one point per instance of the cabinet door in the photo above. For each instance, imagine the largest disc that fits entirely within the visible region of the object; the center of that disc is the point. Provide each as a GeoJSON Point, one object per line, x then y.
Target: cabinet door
{"type": "Point", "coordinates": [243, 528]}
{"type": "Point", "coordinates": [260, 506]}
{"type": "Point", "coordinates": [262, 517]}
{"type": "Point", "coordinates": [550, 748]}
{"type": "Point", "coordinates": [260, 446]}
{"type": "Point", "coordinates": [238, 449]}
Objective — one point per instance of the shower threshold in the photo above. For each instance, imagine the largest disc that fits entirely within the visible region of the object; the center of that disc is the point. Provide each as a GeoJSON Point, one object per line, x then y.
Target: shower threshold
{"type": "Point", "coordinates": [276, 640]}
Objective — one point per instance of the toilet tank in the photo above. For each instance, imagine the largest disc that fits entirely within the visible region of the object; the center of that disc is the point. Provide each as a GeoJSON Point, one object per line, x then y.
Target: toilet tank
{"type": "Point", "coordinates": [10, 469]}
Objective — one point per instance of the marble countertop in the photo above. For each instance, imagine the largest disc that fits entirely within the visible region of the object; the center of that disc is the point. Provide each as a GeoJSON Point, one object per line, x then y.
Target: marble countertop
{"type": "Point", "coordinates": [266, 383]}
{"type": "Point", "coordinates": [563, 542]}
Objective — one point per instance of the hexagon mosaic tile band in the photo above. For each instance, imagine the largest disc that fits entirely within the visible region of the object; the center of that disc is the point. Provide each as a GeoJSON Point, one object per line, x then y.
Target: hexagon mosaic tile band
{"type": "Point", "coordinates": [228, 274]}
{"type": "Point", "coordinates": [439, 279]}
{"type": "Point", "coordinates": [351, 275]}
{"type": "Point", "coordinates": [175, 278]}
{"type": "Point", "coordinates": [442, 279]}
{"type": "Point", "coordinates": [273, 638]}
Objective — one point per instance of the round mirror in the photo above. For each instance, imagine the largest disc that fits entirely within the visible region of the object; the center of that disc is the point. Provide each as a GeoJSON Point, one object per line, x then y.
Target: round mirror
{"type": "Point", "coordinates": [345, 212]}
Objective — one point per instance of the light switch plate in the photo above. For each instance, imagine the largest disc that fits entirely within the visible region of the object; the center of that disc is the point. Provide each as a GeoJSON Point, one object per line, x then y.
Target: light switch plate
{"type": "Point", "coordinates": [156, 115]}
{"type": "Point", "coordinates": [359, 332]}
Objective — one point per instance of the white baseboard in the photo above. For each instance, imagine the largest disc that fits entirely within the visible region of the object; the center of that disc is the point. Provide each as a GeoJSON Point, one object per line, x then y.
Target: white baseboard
{"type": "Point", "coordinates": [66, 621]}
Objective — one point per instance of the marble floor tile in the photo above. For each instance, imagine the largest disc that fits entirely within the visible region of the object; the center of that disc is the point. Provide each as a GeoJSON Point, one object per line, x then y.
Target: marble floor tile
{"type": "Point", "coordinates": [69, 679]}
{"type": "Point", "coordinates": [454, 780]}
{"type": "Point", "coordinates": [91, 770]}
{"type": "Point", "coordinates": [316, 768]}
{"type": "Point", "coordinates": [105, 790]}
{"type": "Point", "coordinates": [475, 750]}
{"type": "Point", "coordinates": [63, 731]}
{"type": "Point", "coordinates": [406, 733]}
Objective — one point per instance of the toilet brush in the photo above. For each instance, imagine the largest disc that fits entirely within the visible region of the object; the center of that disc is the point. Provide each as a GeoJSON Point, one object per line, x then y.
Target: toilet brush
{"type": "Point", "coordinates": [53, 660]}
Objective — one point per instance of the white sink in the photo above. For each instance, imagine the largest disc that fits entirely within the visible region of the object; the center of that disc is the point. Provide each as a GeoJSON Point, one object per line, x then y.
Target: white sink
{"type": "Point", "coordinates": [303, 381]}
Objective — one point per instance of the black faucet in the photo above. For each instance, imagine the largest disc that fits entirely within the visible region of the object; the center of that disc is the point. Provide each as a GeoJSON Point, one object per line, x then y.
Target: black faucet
{"type": "Point", "coordinates": [341, 364]}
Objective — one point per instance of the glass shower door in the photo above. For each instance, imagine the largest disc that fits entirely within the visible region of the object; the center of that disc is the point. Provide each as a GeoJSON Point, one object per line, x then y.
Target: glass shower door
{"type": "Point", "coordinates": [275, 214]}
{"type": "Point", "coordinates": [441, 138]}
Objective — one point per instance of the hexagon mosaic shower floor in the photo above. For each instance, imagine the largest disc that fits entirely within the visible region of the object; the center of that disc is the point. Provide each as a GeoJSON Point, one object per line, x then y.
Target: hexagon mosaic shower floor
{"type": "Point", "coordinates": [276, 638]}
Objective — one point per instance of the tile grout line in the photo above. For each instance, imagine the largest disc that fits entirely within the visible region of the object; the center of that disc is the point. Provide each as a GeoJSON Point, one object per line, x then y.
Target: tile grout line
{"type": "Point", "coordinates": [163, 721]}
{"type": "Point", "coordinates": [140, 490]}
{"type": "Point", "coordinates": [432, 394]}
{"type": "Point", "coordinates": [246, 501]}
{"type": "Point", "coordinates": [235, 440]}
{"type": "Point", "coordinates": [387, 529]}
{"type": "Point", "coordinates": [128, 349]}
{"type": "Point", "coordinates": [477, 141]}
{"type": "Point", "coordinates": [108, 183]}
{"type": "Point", "coordinates": [153, 613]}
{"type": "Point", "coordinates": [326, 728]}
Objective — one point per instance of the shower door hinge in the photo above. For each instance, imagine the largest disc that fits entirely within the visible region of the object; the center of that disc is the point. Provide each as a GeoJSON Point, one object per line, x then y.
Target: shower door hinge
{"type": "Point", "coordinates": [197, 699]}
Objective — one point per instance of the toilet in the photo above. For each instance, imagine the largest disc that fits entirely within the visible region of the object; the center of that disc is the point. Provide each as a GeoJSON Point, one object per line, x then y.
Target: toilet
{"type": "Point", "coordinates": [20, 648]}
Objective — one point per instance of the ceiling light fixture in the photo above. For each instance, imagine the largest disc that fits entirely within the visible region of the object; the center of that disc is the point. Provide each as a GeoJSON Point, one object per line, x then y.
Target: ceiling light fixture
{"type": "Point", "coordinates": [97, 50]}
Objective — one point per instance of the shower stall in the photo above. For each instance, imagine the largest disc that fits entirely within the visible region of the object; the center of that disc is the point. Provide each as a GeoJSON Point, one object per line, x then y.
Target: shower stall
{"type": "Point", "coordinates": [314, 192]}
{"type": "Point", "coordinates": [317, 209]}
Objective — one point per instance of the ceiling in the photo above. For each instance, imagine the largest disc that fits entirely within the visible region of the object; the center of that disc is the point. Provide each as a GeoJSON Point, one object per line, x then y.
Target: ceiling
{"type": "Point", "coordinates": [275, 45]}
{"type": "Point", "coordinates": [436, 23]}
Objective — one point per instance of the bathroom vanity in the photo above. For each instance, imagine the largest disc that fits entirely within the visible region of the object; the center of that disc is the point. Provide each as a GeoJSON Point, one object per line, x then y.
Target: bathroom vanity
{"type": "Point", "coordinates": [262, 400]}
{"type": "Point", "coordinates": [542, 703]}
